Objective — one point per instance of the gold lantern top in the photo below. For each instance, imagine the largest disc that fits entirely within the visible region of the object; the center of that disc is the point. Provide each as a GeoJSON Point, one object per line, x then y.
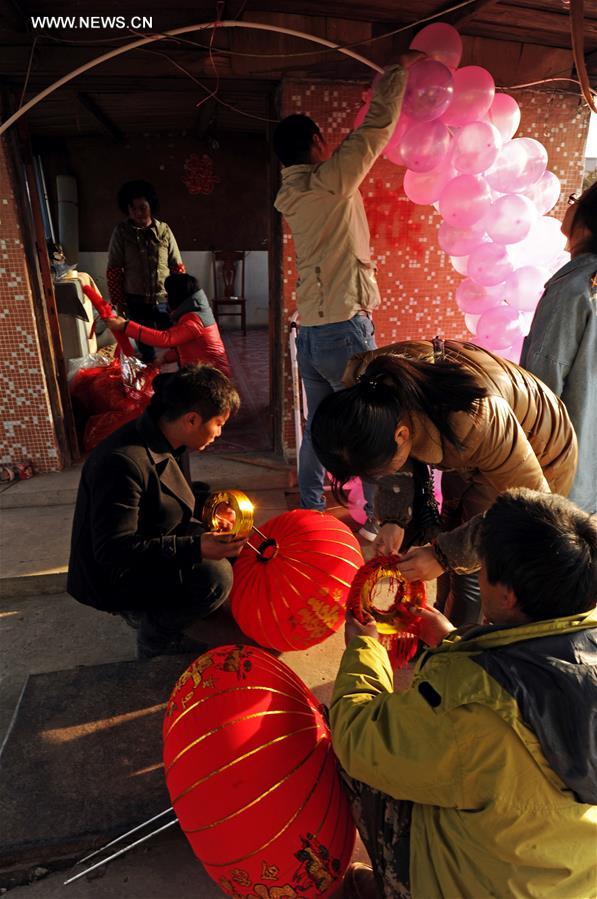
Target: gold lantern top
{"type": "Point", "coordinates": [228, 514]}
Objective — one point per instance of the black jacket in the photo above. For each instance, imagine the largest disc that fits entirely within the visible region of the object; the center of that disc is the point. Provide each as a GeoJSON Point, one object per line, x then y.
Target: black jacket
{"type": "Point", "coordinates": [134, 531]}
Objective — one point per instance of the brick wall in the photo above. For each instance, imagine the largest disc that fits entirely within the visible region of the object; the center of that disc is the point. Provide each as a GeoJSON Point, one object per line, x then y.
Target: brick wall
{"type": "Point", "coordinates": [26, 428]}
{"type": "Point", "coordinates": [416, 279]}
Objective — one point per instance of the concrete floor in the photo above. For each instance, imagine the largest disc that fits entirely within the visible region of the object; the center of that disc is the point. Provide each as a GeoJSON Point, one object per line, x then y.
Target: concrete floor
{"type": "Point", "coordinates": [42, 629]}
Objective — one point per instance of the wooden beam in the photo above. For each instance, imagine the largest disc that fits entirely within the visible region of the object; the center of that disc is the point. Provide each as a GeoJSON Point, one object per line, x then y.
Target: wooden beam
{"type": "Point", "coordinates": [98, 113]}
{"type": "Point", "coordinates": [460, 16]}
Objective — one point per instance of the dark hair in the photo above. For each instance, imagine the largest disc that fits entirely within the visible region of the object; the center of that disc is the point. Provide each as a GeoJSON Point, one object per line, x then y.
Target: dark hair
{"type": "Point", "coordinates": [179, 288]}
{"type": "Point", "coordinates": [586, 211]}
{"type": "Point", "coordinates": [293, 138]}
{"type": "Point", "coordinates": [194, 388]}
{"type": "Point", "coordinates": [544, 548]}
{"type": "Point", "coordinates": [134, 189]}
{"type": "Point", "coordinates": [353, 430]}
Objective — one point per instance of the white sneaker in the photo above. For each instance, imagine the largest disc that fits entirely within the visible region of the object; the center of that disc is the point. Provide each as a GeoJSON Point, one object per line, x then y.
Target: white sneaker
{"type": "Point", "coordinates": [369, 530]}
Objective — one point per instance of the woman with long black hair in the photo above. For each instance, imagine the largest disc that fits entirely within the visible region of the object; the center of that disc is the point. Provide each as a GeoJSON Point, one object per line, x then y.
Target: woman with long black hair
{"type": "Point", "coordinates": [484, 422]}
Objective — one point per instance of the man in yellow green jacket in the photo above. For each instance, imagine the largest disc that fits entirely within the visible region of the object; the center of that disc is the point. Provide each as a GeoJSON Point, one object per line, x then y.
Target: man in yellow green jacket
{"type": "Point", "coordinates": [481, 779]}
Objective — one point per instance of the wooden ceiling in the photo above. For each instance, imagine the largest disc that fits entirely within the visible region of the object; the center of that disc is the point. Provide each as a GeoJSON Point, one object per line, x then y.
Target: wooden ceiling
{"type": "Point", "coordinates": [156, 87]}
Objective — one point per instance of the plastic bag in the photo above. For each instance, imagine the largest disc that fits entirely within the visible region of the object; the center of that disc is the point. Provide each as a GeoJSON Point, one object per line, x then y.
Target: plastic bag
{"type": "Point", "coordinates": [111, 395]}
{"type": "Point", "coordinates": [91, 360]}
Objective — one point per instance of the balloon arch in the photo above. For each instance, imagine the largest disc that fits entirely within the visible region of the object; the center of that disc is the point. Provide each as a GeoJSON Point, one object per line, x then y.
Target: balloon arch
{"type": "Point", "coordinates": [455, 136]}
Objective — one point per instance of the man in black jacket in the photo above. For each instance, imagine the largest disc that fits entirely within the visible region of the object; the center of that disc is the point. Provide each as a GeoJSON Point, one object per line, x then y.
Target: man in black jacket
{"type": "Point", "coordinates": [137, 548]}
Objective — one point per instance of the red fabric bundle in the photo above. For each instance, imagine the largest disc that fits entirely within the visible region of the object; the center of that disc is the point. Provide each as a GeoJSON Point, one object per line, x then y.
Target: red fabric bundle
{"type": "Point", "coordinates": [397, 623]}
{"type": "Point", "coordinates": [109, 399]}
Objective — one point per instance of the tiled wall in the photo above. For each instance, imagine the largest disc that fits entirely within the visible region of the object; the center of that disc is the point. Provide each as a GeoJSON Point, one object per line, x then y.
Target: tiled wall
{"type": "Point", "coordinates": [26, 429]}
{"type": "Point", "coordinates": [416, 279]}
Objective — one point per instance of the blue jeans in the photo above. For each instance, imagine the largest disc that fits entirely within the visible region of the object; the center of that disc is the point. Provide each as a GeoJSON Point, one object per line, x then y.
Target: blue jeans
{"type": "Point", "coordinates": [323, 351]}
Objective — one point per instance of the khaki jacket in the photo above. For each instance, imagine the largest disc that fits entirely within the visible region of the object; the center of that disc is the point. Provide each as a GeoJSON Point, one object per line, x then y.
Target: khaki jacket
{"type": "Point", "coordinates": [520, 435]}
{"type": "Point", "coordinates": [325, 212]}
{"type": "Point", "coordinates": [146, 256]}
{"type": "Point", "coordinates": [494, 745]}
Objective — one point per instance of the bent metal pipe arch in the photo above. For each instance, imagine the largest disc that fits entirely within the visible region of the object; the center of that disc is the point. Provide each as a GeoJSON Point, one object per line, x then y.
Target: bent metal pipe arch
{"type": "Point", "coordinates": [203, 26]}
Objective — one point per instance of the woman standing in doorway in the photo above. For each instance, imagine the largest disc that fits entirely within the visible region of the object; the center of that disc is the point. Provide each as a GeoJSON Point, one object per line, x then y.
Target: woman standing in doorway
{"type": "Point", "coordinates": [141, 255]}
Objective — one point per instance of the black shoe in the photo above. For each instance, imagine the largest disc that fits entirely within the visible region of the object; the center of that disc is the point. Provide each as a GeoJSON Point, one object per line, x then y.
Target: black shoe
{"type": "Point", "coordinates": [181, 645]}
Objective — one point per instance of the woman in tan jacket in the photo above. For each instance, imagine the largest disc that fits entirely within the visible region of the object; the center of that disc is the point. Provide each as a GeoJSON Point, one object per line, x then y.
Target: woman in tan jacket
{"type": "Point", "coordinates": [484, 422]}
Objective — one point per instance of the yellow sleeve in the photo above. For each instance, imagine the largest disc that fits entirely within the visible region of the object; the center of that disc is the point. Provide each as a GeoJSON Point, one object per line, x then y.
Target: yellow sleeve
{"type": "Point", "coordinates": [395, 742]}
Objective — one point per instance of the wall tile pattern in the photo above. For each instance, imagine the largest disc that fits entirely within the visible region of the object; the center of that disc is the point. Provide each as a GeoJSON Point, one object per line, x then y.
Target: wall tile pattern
{"type": "Point", "coordinates": [26, 427]}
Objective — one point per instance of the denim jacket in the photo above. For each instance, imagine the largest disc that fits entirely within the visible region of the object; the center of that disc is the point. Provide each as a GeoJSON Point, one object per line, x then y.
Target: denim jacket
{"type": "Point", "coordinates": [561, 350]}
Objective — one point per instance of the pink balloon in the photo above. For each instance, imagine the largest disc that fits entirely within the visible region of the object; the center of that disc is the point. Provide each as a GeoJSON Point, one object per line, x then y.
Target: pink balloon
{"type": "Point", "coordinates": [519, 164]}
{"type": "Point", "coordinates": [489, 264]}
{"type": "Point", "coordinates": [460, 241]}
{"type": "Point", "coordinates": [510, 218]}
{"type": "Point", "coordinates": [402, 126]}
{"type": "Point", "coordinates": [474, 90]}
{"type": "Point", "coordinates": [504, 113]}
{"type": "Point", "coordinates": [498, 328]}
{"type": "Point", "coordinates": [513, 352]}
{"type": "Point", "coordinates": [476, 147]}
{"type": "Point", "coordinates": [471, 322]}
{"type": "Point", "coordinates": [429, 90]}
{"type": "Point", "coordinates": [465, 200]}
{"type": "Point", "coordinates": [424, 146]}
{"type": "Point", "coordinates": [459, 264]}
{"type": "Point", "coordinates": [545, 192]}
{"type": "Point", "coordinates": [441, 42]}
{"type": "Point", "coordinates": [525, 286]}
{"type": "Point", "coordinates": [473, 298]}
{"type": "Point", "coordinates": [426, 188]}
{"type": "Point", "coordinates": [541, 246]}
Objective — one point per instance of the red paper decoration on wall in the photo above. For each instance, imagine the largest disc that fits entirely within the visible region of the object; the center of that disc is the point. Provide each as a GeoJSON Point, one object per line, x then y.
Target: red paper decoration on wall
{"type": "Point", "coordinates": [294, 596]}
{"type": "Point", "coordinates": [253, 779]}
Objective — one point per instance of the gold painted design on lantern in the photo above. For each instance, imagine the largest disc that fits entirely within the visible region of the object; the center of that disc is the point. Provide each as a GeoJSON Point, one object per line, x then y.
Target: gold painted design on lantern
{"type": "Point", "coordinates": [226, 724]}
{"type": "Point", "coordinates": [311, 567]}
{"type": "Point", "coordinates": [241, 758]}
{"type": "Point", "coordinates": [257, 799]}
{"type": "Point", "coordinates": [285, 827]}
{"type": "Point", "coordinates": [269, 872]}
{"type": "Point", "coordinates": [216, 517]}
{"type": "Point", "coordinates": [326, 617]}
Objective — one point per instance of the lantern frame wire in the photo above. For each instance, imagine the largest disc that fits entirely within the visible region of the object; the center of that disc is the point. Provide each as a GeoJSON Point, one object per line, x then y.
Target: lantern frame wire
{"type": "Point", "coordinates": [122, 851]}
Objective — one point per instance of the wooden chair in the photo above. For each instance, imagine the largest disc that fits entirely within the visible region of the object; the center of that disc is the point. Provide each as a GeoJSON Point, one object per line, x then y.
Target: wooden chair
{"type": "Point", "coordinates": [225, 265]}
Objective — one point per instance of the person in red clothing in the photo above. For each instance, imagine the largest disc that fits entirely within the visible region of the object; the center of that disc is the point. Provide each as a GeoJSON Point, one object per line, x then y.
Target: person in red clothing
{"type": "Point", "coordinates": [193, 337]}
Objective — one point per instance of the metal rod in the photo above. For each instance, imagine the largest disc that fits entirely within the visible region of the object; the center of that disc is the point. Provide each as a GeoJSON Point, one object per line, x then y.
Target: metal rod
{"type": "Point", "coordinates": [261, 534]}
{"type": "Point", "coordinates": [124, 835]}
{"type": "Point", "coordinates": [120, 852]}
{"type": "Point", "coordinates": [250, 545]}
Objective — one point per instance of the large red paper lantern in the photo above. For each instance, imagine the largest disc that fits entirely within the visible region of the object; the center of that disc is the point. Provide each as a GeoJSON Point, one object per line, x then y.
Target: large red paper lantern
{"type": "Point", "coordinates": [292, 593]}
{"type": "Point", "coordinates": [253, 779]}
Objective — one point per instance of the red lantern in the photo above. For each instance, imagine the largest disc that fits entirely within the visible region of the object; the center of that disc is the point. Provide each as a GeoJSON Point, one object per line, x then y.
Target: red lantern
{"type": "Point", "coordinates": [253, 779]}
{"type": "Point", "coordinates": [292, 593]}
{"type": "Point", "coordinates": [379, 590]}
